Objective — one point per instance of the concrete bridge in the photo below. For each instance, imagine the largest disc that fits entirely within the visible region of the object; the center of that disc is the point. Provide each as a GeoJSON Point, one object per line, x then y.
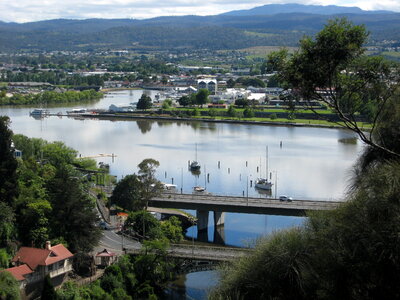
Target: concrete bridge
{"type": "Point", "coordinates": [201, 253]}
{"type": "Point", "coordinates": [204, 203]}
{"type": "Point", "coordinates": [249, 205]}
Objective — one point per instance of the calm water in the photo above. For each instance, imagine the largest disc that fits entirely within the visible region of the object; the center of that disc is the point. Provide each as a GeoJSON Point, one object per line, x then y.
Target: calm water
{"type": "Point", "coordinates": [311, 164]}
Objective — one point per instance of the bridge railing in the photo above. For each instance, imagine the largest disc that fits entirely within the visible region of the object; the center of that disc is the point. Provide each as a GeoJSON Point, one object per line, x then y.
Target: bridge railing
{"type": "Point", "coordinates": [248, 201]}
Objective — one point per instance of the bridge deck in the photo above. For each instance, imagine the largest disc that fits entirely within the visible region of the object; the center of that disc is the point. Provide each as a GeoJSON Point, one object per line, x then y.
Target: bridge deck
{"type": "Point", "coordinates": [240, 204]}
{"type": "Point", "coordinates": [202, 252]}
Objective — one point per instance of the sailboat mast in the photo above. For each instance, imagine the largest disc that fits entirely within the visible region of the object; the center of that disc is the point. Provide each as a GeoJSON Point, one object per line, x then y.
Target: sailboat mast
{"type": "Point", "coordinates": [266, 163]}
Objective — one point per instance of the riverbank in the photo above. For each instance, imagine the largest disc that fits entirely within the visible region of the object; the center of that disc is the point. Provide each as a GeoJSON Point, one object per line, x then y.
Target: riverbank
{"type": "Point", "coordinates": [278, 122]}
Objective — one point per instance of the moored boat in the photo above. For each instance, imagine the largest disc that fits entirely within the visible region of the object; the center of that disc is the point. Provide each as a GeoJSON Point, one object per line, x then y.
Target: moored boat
{"type": "Point", "coordinates": [264, 183]}
{"type": "Point", "coordinates": [40, 112]}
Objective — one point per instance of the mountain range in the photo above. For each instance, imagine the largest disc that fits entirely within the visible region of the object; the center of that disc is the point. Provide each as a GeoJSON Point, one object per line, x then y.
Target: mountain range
{"type": "Point", "coordinates": [268, 25]}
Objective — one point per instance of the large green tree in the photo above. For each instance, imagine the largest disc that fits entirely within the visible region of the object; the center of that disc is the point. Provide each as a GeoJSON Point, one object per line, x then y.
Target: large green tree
{"type": "Point", "coordinates": [144, 102]}
{"type": "Point", "coordinates": [202, 96]}
{"type": "Point", "coordinates": [134, 191]}
{"type": "Point", "coordinates": [332, 69]}
{"type": "Point", "coordinates": [127, 193]}
{"type": "Point", "coordinates": [351, 252]}
{"type": "Point", "coordinates": [73, 217]}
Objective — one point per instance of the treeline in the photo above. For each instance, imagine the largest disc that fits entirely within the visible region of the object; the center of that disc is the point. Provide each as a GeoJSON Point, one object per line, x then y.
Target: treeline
{"type": "Point", "coordinates": [52, 77]}
{"type": "Point", "coordinates": [46, 198]}
{"type": "Point", "coordinates": [49, 97]}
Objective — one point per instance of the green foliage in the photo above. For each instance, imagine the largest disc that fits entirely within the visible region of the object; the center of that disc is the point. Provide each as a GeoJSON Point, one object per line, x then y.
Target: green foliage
{"type": "Point", "coordinates": [332, 69]}
{"type": "Point", "coordinates": [250, 81]}
{"type": "Point", "coordinates": [5, 259]}
{"type": "Point", "coordinates": [127, 193]}
{"type": "Point", "coordinates": [232, 112]}
{"type": "Point", "coordinates": [172, 229]}
{"type": "Point", "coordinates": [273, 116]}
{"type": "Point", "coordinates": [9, 287]}
{"type": "Point", "coordinates": [276, 270]}
{"type": "Point", "coordinates": [195, 112]}
{"type": "Point", "coordinates": [242, 102]}
{"type": "Point", "coordinates": [202, 96]}
{"type": "Point", "coordinates": [212, 112]}
{"type": "Point", "coordinates": [74, 217]}
{"type": "Point", "coordinates": [50, 97]}
{"type": "Point", "coordinates": [230, 83]}
{"type": "Point", "coordinates": [144, 102]}
{"type": "Point", "coordinates": [248, 113]}
{"type": "Point", "coordinates": [8, 165]}
{"type": "Point", "coordinates": [134, 191]}
{"type": "Point", "coordinates": [350, 252]}
{"type": "Point", "coordinates": [185, 101]}
{"type": "Point", "coordinates": [144, 224]}
{"type": "Point", "coordinates": [7, 228]}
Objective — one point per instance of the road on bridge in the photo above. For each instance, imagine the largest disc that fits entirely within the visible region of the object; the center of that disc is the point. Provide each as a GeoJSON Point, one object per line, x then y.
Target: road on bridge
{"type": "Point", "coordinates": [209, 202]}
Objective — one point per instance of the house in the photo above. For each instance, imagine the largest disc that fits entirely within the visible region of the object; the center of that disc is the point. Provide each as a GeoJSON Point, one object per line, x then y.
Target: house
{"type": "Point", "coordinates": [32, 265]}
{"type": "Point", "coordinates": [208, 84]}
{"type": "Point", "coordinates": [105, 258]}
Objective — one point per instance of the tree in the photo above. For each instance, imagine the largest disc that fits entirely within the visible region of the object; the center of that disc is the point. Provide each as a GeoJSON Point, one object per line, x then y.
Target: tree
{"type": "Point", "coordinates": [151, 186]}
{"type": "Point", "coordinates": [9, 287]}
{"type": "Point", "coordinates": [7, 219]}
{"type": "Point", "coordinates": [8, 165]}
{"type": "Point", "coordinates": [136, 221]}
{"type": "Point", "coordinates": [127, 193]}
{"type": "Point", "coordinates": [333, 70]}
{"type": "Point", "coordinates": [242, 102]}
{"type": "Point", "coordinates": [144, 102]}
{"type": "Point", "coordinates": [230, 83]}
{"type": "Point", "coordinates": [184, 101]}
{"type": "Point", "coordinates": [73, 217]}
{"type": "Point", "coordinates": [134, 191]}
{"type": "Point", "coordinates": [347, 253]}
{"type": "Point", "coordinates": [232, 111]}
{"type": "Point", "coordinates": [202, 96]}
{"type": "Point", "coordinates": [248, 113]}
{"type": "Point", "coordinates": [5, 259]}
{"type": "Point", "coordinates": [172, 229]}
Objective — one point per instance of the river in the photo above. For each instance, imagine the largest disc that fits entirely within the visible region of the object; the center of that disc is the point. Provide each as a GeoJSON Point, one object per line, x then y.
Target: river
{"type": "Point", "coordinates": [304, 163]}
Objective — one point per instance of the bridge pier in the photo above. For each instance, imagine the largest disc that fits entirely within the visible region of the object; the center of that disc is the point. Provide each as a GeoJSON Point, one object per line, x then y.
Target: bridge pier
{"type": "Point", "coordinates": [202, 219]}
{"type": "Point", "coordinates": [219, 218]}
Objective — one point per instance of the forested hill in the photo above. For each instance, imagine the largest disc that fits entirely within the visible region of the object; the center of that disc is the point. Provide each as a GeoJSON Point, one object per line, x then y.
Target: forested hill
{"type": "Point", "coordinates": [185, 32]}
{"type": "Point", "coordinates": [272, 9]}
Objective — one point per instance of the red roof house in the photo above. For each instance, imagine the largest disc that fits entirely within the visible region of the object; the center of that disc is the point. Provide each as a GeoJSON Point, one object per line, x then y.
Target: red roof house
{"type": "Point", "coordinates": [33, 264]}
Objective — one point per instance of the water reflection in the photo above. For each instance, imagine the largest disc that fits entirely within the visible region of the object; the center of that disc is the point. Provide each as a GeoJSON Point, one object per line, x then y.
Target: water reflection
{"type": "Point", "coordinates": [194, 285]}
{"type": "Point", "coordinates": [144, 126]}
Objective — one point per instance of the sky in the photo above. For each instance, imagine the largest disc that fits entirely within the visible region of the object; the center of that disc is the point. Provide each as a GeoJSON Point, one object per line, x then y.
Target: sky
{"type": "Point", "coordinates": [34, 10]}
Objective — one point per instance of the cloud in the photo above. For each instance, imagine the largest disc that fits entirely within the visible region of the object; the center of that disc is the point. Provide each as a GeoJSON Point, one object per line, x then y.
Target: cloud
{"type": "Point", "coordinates": [28, 10]}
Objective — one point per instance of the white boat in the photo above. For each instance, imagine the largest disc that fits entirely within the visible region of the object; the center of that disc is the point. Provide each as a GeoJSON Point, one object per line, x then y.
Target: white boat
{"type": "Point", "coordinates": [169, 187]}
{"type": "Point", "coordinates": [263, 183]}
{"type": "Point", "coordinates": [40, 112]}
{"type": "Point", "coordinates": [77, 111]}
{"type": "Point", "coordinates": [199, 189]}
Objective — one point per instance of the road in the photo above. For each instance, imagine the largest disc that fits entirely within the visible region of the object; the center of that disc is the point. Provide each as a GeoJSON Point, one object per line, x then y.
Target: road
{"type": "Point", "coordinates": [113, 242]}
